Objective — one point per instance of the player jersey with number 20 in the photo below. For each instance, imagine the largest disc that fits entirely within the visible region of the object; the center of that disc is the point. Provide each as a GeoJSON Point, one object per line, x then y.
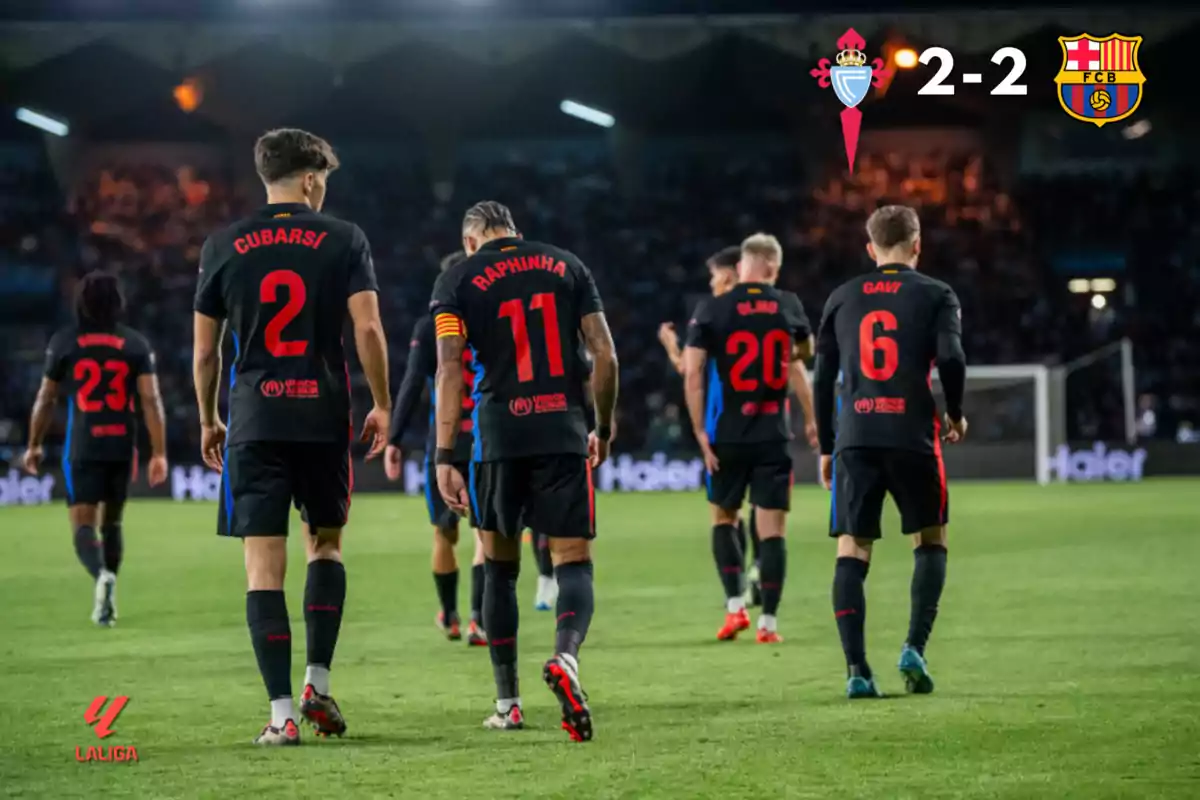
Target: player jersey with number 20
{"type": "Point", "coordinates": [281, 278]}
{"type": "Point", "coordinates": [521, 304]}
{"type": "Point", "coordinates": [748, 334]}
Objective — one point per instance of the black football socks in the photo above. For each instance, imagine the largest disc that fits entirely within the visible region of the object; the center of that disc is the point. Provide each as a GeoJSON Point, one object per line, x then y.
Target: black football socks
{"type": "Point", "coordinates": [929, 576]}
{"type": "Point", "coordinates": [755, 542]}
{"type": "Point", "coordinates": [742, 540]}
{"type": "Point", "coordinates": [728, 558]}
{"type": "Point", "coordinates": [87, 548]}
{"type": "Point", "coordinates": [114, 546]}
{"type": "Point", "coordinates": [850, 611]}
{"type": "Point", "coordinates": [477, 579]}
{"type": "Point", "coordinates": [447, 591]}
{"type": "Point", "coordinates": [772, 572]}
{"type": "Point", "coordinates": [576, 603]}
{"type": "Point", "coordinates": [501, 617]}
{"type": "Point", "coordinates": [324, 598]}
{"type": "Point", "coordinates": [541, 551]}
{"type": "Point", "coordinates": [271, 634]}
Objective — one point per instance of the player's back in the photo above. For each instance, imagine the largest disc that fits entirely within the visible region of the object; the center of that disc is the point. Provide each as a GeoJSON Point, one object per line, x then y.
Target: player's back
{"type": "Point", "coordinates": [98, 370]}
{"type": "Point", "coordinates": [522, 303]}
{"type": "Point", "coordinates": [282, 278]}
{"type": "Point", "coordinates": [749, 334]}
{"type": "Point", "coordinates": [886, 325]}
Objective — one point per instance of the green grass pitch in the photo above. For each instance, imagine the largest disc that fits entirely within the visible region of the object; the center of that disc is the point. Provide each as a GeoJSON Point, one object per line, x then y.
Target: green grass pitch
{"type": "Point", "coordinates": [1065, 655]}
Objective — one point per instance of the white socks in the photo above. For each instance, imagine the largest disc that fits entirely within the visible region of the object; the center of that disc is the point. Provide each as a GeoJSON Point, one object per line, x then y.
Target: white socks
{"type": "Point", "coordinates": [571, 662]}
{"type": "Point", "coordinates": [766, 622]}
{"type": "Point", "coordinates": [504, 706]}
{"type": "Point", "coordinates": [282, 709]}
{"type": "Point", "coordinates": [735, 604]}
{"type": "Point", "coordinates": [318, 677]}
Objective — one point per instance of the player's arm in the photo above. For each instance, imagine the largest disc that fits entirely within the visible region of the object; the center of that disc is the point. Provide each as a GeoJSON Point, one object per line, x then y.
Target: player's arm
{"type": "Point", "coordinates": [604, 384]}
{"type": "Point", "coordinates": [670, 342]}
{"type": "Point", "coordinates": [694, 360]}
{"type": "Point", "coordinates": [39, 423]}
{"type": "Point", "coordinates": [369, 341]}
{"type": "Point", "coordinates": [451, 342]}
{"type": "Point", "coordinates": [415, 370]}
{"type": "Point", "coordinates": [951, 360]}
{"type": "Point", "coordinates": [207, 333]}
{"type": "Point", "coordinates": [154, 416]}
{"type": "Point", "coordinates": [825, 378]}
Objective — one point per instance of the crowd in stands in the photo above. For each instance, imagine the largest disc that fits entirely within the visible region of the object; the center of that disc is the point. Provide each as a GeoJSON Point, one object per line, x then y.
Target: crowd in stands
{"type": "Point", "coordinates": [646, 233]}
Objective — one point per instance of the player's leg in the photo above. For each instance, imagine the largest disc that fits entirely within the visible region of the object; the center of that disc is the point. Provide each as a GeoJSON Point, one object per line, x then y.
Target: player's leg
{"type": "Point", "coordinates": [322, 477]}
{"type": "Point", "coordinates": [476, 635]}
{"type": "Point", "coordinates": [918, 484]}
{"type": "Point", "coordinates": [770, 498]}
{"type": "Point", "coordinates": [726, 490]}
{"type": "Point", "coordinates": [112, 537]}
{"type": "Point", "coordinates": [547, 587]}
{"type": "Point", "coordinates": [85, 491]}
{"type": "Point", "coordinates": [753, 579]}
{"type": "Point", "coordinates": [445, 575]}
{"type": "Point", "coordinates": [857, 504]}
{"type": "Point", "coordinates": [497, 490]}
{"type": "Point", "coordinates": [258, 493]}
{"type": "Point", "coordinates": [564, 506]}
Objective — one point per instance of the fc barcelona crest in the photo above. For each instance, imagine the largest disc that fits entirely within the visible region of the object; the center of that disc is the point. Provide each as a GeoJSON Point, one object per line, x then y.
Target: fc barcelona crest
{"type": "Point", "coordinates": [1100, 80]}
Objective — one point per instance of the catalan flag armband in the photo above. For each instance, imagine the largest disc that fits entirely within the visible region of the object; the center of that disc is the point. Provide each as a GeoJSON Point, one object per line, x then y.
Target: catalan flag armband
{"type": "Point", "coordinates": [449, 325]}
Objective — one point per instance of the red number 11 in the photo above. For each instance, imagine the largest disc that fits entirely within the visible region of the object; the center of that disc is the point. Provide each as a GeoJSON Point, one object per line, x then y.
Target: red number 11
{"type": "Point", "coordinates": [515, 311]}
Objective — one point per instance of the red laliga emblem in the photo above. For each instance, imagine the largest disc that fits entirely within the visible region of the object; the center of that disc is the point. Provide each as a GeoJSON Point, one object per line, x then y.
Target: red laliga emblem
{"type": "Point", "coordinates": [520, 406]}
{"type": "Point", "coordinates": [863, 405]}
{"type": "Point", "coordinates": [272, 388]}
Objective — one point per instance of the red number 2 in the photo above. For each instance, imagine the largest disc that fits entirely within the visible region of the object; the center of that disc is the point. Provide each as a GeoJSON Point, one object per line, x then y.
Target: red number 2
{"type": "Point", "coordinates": [268, 292]}
{"type": "Point", "coordinates": [774, 350]}
{"type": "Point", "coordinates": [89, 371]}
{"type": "Point", "coordinates": [869, 344]}
{"type": "Point", "coordinates": [515, 311]}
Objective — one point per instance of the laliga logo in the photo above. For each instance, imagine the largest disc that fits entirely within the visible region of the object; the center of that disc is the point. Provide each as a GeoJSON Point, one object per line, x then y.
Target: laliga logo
{"type": "Point", "coordinates": [520, 406]}
{"type": "Point", "coordinates": [103, 723]}
{"type": "Point", "coordinates": [852, 79]}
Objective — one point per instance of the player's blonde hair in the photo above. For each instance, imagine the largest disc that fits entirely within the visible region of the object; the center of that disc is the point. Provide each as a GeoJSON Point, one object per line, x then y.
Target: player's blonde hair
{"type": "Point", "coordinates": [764, 246]}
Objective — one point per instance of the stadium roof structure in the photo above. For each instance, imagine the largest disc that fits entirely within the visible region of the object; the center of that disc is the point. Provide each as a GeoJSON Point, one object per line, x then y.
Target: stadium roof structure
{"type": "Point", "coordinates": [461, 78]}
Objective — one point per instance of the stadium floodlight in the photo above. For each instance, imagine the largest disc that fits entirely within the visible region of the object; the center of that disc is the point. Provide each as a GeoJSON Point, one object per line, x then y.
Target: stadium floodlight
{"type": "Point", "coordinates": [42, 122]}
{"type": "Point", "coordinates": [1103, 285]}
{"type": "Point", "coordinates": [1079, 286]}
{"type": "Point", "coordinates": [906, 58]}
{"type": "Point", "coordinates": [587, 113]}
{"type": "Point", "coordinates": [1098, 301]}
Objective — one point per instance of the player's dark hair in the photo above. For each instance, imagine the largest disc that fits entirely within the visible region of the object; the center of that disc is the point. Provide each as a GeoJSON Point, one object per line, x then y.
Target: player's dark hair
{"type": "Point", "coordinates": [453, 260]}
{"type": "Point", "coordinates": [891, 226]}
{"type": "Point", "coordinates": [98, 300]}
{"type": "Point", "coordinates": [725, 258]}
{"type": "Point", "coordinates": [489, 215]}
{"type": "Point", "coordinates": [284, 152]}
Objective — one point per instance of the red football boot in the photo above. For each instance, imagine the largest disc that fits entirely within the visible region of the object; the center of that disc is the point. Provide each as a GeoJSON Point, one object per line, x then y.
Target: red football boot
{"type": "Point", "coordinates": [735, 623]}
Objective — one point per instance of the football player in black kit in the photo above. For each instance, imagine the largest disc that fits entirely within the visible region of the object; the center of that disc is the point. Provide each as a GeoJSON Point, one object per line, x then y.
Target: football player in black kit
{"type": "Point", "coordinates": [884, 331]}
{"type": "Point", "coordinates": [283, 282]}
{"type": "Point", "coordinates": [100, 364]}
{"type": "Point", "coordinates": [520, 307]}
{"type": "Point", "coordinates": [419, 372]}
{"type": "Point", "coordinates": [753, 341]}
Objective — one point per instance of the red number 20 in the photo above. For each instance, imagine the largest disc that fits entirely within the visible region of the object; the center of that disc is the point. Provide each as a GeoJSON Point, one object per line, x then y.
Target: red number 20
{"type": "Point", "coordinates": [515, 311]}
{"type": "Point", "coordinates": [268, 292]}
{"type": "Point", "coordinates": [774, 350]}
{"type": "Point", "coordinates": [89, 372]}
{"type": "Point", "coordinates": [869, 344]}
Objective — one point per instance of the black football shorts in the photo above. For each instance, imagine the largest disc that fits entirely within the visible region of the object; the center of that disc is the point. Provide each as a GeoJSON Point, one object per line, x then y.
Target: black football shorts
{"type": "Point", "coordinates": [862, 476]}
{"type": "Point", "coordinates": [550, 494]}
{"type": "Point", "coordinates": [765, 469]}
{"type": "Point", "coordinates": [440, 515]}
{"type": "Point", "coordinates": [89, 483]}
{"type": "Point", "coordinates": [262, 480]}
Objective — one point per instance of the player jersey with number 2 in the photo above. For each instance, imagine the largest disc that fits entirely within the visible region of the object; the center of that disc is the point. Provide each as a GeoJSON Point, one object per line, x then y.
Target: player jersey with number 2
{"type": "Point", "coordinates": [748, 333]}
{"type": "Point", "coordinates": [521, 304]}
{"type": "Point", "coordinates": [98, 370]}
{"type": "Point", "coordinates": [281, 278]}
{"type": "Point", "coordinates": [881, 329]}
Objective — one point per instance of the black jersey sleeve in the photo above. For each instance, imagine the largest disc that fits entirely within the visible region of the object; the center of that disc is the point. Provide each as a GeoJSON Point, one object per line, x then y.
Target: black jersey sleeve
{"type": "Point", "coordinates": [797, 320]}
{"type": "Point", "coordinates": [951, 360]}
{"type": "Point", "coordinates": [700, 330]}
{"type": "Point", "coordinates": [587, 295]}
{"type": "Point", "coordinates": [209, 299]}
{"type": "Point", "coordinates": [362, 266]}
{"type": "Point", "coordinates": [141, 360]}
{"type": "Point", "coordinates": [445, 299]}
{"type": "Point", "coordinates": [421, 364]}
{"type": "Point", "coordinates": [825, 376]}
{"type": "Point", "coordinates": [57, 354]}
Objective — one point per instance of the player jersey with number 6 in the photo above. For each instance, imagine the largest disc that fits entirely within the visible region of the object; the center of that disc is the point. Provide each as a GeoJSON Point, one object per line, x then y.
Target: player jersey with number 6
{"type": "Point", "coordinates": [281, 278]}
